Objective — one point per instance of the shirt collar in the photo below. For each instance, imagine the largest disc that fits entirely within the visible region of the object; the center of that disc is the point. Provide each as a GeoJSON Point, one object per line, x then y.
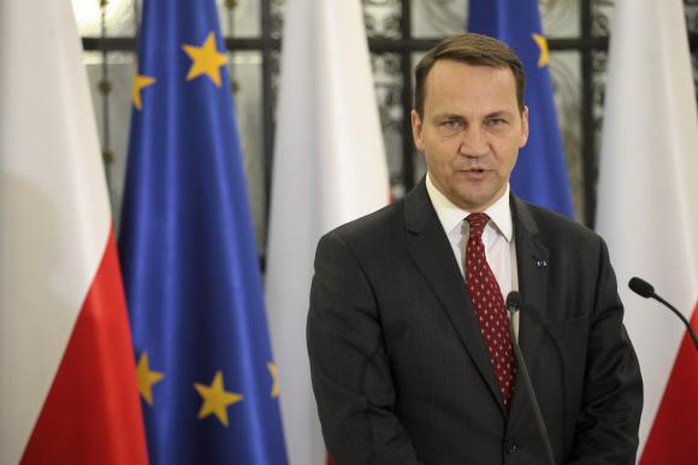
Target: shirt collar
{"type": "Point", "coordinates": [452, 217]}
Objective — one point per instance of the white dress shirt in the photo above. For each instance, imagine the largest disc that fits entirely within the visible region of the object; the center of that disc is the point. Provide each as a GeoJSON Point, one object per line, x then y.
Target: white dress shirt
{"type": "Point", "coordinates": [498, 235]}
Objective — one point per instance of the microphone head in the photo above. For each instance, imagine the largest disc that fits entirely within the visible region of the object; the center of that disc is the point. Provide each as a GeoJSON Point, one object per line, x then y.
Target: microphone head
{"type": "Point", "coordinates": [513, 300]}
{"type": "Point", "coordinates": [641, 287]}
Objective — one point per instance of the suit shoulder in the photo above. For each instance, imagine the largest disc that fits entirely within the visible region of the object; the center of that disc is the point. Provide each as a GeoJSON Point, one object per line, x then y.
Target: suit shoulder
{"type": "Point", "coordinates": [370, 241]}
{"type": "Point", "coordinates": [371, 226]}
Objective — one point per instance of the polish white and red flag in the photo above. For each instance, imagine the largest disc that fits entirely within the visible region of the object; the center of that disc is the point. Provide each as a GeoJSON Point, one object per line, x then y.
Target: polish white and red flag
{"type": "Point", "coordinates": [648, 212]}
{"type": "Point", "coordinates": [68, 389]}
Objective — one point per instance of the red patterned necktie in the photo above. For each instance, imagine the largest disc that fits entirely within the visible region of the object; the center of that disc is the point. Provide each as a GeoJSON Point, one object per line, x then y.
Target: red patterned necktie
{"type": "Point", "coordinates": [489, 306]}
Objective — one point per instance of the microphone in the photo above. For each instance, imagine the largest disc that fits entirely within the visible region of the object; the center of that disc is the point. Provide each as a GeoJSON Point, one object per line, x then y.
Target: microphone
{"type": "Point", "coordinates": [513, 305]}
{"type": "Point", "coordinates": [644, 289]}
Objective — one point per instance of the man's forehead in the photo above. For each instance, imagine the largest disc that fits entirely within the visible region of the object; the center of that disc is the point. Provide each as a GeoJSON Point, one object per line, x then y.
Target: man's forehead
{"type": "Point", "coordinates": [444, 64]}
{"type": "Point", "coordinates": [457, 84]}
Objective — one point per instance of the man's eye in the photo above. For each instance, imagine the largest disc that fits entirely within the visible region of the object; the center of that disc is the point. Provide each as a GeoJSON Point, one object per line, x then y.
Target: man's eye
{"type": "Point", "coordinates": [495, 121]}
{"type": "Point", "coordinates": [452, 124]}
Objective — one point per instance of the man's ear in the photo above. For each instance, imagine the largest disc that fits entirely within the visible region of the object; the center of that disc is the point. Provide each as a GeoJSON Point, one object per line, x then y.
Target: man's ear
{"type": "Point", "coordinates": [417, 130]}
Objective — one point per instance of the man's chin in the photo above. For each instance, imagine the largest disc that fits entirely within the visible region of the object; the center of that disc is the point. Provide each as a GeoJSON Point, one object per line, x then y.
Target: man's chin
{"type": "Point", "coordinates": [476, 200]}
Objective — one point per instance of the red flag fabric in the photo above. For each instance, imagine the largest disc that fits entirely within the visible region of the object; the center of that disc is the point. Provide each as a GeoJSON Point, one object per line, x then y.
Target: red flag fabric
{"type": "Point", "coordinates": [674, 429]}
{"type": "Point", "coordinates": [68, 385]}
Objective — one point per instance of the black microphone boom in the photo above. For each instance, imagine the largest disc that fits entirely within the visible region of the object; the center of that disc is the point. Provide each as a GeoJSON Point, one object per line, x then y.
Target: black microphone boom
{"type": "Point", "coordinates": [513, 304]}
{"type": "Point", "coordinates": [644, 289]}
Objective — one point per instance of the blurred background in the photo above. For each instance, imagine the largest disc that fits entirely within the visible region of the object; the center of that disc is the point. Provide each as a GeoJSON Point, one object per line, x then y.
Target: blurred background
{"type": "Point", "coordinates": [399, 31]}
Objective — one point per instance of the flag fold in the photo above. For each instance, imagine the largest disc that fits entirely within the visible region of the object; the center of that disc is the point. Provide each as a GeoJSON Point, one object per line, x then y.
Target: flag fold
{"type": "Point", "coordinates": [648, 213]}
{"type": "Point", "coordinates": [329, 168]}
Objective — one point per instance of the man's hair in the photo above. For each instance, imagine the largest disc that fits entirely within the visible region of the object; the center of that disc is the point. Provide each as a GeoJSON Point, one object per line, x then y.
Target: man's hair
{"type": "Point", "coordinates": [472, 49]}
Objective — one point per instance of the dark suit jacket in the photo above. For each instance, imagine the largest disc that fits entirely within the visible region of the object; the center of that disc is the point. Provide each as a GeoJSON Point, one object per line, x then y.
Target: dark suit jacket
{"type": "Point", "coordinates": [401, 374]}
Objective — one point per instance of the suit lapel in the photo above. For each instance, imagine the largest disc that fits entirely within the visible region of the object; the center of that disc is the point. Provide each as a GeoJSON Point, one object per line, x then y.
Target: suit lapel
{"type": "Point", "coordinates": [431, 252]}
{"type": "Point", "coordinates": [533, 263]}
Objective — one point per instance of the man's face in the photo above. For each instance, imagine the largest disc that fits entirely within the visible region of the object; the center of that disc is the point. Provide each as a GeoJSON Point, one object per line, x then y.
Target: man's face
{"type": "Point", "coordinates": [471, 131]}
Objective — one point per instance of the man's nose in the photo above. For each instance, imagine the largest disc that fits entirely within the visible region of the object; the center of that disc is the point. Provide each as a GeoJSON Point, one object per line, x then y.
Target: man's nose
{"type": "Point", "coordinates": [474, 142]}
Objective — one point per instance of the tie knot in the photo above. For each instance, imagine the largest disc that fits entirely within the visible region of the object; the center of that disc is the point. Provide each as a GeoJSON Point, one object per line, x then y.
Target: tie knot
{"type": "Point", "coordinates": [477, 222]}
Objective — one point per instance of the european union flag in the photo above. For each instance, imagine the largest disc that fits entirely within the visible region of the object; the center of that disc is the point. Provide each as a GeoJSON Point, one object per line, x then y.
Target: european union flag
{"type": "Point", "coordinates": [540, 175]}
{"type": "Point", "coordinates": [205, 370]}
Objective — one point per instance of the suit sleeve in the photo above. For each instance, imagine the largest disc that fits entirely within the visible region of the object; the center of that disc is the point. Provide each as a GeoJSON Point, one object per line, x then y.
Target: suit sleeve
{"type": "Point", "coordinates": [607, 425]}
{"type": "Point", "coordinates": [350, 369]}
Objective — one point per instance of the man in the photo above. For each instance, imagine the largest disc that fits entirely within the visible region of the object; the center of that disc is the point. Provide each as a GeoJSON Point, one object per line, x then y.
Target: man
{"type": "Point", "coordinates": [410, 357]}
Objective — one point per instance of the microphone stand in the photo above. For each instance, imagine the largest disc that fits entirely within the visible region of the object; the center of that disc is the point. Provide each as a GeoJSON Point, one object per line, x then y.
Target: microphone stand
{"type": "Point", "coordinates": [513, 307]}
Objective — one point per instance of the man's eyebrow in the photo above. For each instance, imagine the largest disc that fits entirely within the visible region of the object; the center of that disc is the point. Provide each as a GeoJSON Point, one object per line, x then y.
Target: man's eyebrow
{"type": "Point", "coordinates": [499, 114]}
{"type": "Point", "coordinates": [448, 115]}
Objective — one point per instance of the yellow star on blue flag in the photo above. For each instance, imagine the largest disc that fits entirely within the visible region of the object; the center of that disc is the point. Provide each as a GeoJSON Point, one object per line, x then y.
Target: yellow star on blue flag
{"type": "Point", "coordinates": [216, 399]}
{"type": "Point", "coordinates": [146, 378]}
{"type": "Point", "coordinates": [274, 372]}
{"type": "Point", "coordinates": [140, 82]}
{"type": "Point", "coordinates": [542, 43]}
{"type": "Point", "coordinates": [205, 60]}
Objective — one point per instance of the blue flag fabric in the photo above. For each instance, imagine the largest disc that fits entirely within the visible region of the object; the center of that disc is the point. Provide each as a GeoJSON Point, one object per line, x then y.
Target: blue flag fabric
{"type": "Point", "coordinates": [540, 175]}
{"type": "Point", "coordinates": [205, 371]}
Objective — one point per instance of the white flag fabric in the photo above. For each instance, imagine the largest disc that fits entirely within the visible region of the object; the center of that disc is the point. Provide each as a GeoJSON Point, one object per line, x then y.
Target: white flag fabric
{"type": "Point", "coordinates": [648, 211]}
{"type": "Point", "coordinates": [329, 168]}
{"type": "Point", "coordinates": [68, 391]}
